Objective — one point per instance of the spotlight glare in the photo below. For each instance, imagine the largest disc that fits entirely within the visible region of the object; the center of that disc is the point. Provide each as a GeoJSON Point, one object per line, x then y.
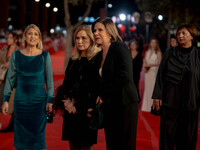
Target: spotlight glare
{"type": "Point", "coordinates": [9, 19]}
{"type": "Point", "coordinates": [160, 17]}
{"type": "Point", "coordinates": [55, 9]}
{"type": "Point", "coordinates": [47, 5]}
{"type": "Point", "coordinates": [110, 5]}
{"type": "Point", "coordinates": [52, 31]}
{"type": "Point", "coordinates": [122, 17]}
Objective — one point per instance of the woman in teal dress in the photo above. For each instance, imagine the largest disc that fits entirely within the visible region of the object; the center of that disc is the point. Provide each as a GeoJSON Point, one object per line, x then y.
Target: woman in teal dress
{"type": "Point", "coordinates": [30, 69]}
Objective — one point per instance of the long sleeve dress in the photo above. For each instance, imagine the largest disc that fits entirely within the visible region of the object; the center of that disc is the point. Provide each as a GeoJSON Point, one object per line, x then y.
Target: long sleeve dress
{"type": "Point", "coordinates": [5, 55]}
{"type": "Point", "coordinates": [30, 73]}
{"type": "Point", "coordinates": [79, 83]}
{"type": "Point", "coordinates": [149, 80]}
{"type": "Point", "coordinates": [137, 67]}
{"type": "Point", "coordinates": [3, 59]}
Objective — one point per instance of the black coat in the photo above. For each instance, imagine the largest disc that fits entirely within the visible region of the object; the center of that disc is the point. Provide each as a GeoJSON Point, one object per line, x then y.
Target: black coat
{"type": "Point", "coordinates": [117, 87]}
{"type": "Point", "coordinates": [120, 98]}
{"type": "Point", "coordinates": [79, 84]}
{"type": "Point", "coordinates": [178, 79]}
{"type": "Point", "coordinates": [117, 76]}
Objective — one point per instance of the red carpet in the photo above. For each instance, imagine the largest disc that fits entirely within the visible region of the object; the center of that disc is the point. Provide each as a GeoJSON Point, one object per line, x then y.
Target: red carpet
{"type": "Point", "coordinates": [148, 125]}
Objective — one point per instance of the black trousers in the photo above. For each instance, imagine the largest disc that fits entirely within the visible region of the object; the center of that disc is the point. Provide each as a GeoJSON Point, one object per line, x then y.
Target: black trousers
{"type": "Point", "coordinates": [121, 128]}
{"type": "Point", "coordinates": [178, 129]}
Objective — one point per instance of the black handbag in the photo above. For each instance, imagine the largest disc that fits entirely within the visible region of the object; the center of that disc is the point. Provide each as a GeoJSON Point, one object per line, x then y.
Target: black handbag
{"type": "Point", "coordinates": [155, 111]}
{"type": "Point", "coordinates": [50, 117]}
{"type": "Point", "coordinates": [97, 119]}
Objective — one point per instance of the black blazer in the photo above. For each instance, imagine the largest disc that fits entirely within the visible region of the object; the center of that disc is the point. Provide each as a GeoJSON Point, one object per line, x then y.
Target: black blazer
{"type": "Point", "coordinates": [117, 86]}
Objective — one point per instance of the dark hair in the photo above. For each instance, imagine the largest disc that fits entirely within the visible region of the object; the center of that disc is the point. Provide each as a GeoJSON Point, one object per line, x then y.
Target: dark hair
{"type": "Point", "coordinates": [136, 42]}
{"type": "Point", "coordinates": [15, 37]}
{"type": "Point", "coordinates": [172, 36]}
{"type": "Point", "coordinates": [110, 28]}
{"type": "Point", "coordinates": [191, 29]}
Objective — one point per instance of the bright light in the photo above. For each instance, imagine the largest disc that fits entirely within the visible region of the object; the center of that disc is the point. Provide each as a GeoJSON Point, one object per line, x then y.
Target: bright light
{"type": "Point", "coordinates": [119, 25]}
{"type": "Point", "coordinates": [37, 0]}
{"type": "Point", "coordinates": [52, 31]}
{"type": "Point", "coordinates": [114, 19]}
{"type": "Point", "coordinates": [132, 19]}
{"type": "Point", "coordinates": [109, 5]}
{"type": "Point", "coordinates": [10, 27]}
{"type": "Point", "coordinates": [160, 17]}
{"type": "Point", "coordinates": [9, 19]}
{"type": "Point", "coordinates": [64, 32]}
{"type": "Point", "coordinates": [122, 17]}
{"type": "Point", "coordinates": [55, 9]}
{"type": "Point", "coordinates": [92, 19]}
{"type": "Point", "coordinates": [128, 17]}
{"type": "Point", "coordinates": [47, 4]}
{"type": "Point", "coordinates": [86, 19]}
{"type": "Point", "coordinates": [79, 18]}
{"type": "Point", "coordinates": [58, 28]}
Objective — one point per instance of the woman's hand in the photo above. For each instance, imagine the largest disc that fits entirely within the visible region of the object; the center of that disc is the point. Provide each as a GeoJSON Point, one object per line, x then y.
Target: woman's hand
{"type": "Point", "coordinates": [89, 112]}
{"type": "Point", "coordinates": [6, 65]}
{"type": "Point", "coordinates": [99, 100]}
{"type": "Point", "coordinates": [157, 103]}
{"type": "Point", "coordinates": [69, 106]}
{"type": "Point", "coordinates": [5, 108]}
{"type": "Point", "coordinates": [49, 107]}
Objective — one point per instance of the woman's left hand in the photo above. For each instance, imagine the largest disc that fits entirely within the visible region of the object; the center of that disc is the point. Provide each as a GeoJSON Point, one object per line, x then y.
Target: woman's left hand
{"type": "Point", "coordinates": [49, 107]}
{"type": "Point", "coordinates": [157, 103]}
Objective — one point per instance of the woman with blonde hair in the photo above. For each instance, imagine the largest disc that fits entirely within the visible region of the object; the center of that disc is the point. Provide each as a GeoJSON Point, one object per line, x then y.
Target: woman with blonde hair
{"type": "Point", "coordinates": [77, 93]}
{"type": "Point", "coordinates": [30, 69]}
{"type": "Point", "coordinates": [151, 63]}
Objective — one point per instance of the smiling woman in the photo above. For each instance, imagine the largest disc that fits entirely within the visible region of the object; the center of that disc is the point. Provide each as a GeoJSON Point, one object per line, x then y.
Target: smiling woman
{"type": "Point", "coordinates": [32, 40]}
{"type": "Point", "coordinates": [30, 69]}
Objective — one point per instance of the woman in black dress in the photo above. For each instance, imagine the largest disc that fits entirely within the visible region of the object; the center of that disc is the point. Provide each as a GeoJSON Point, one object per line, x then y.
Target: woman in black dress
{"type": "Point", "coordinates": [78, 92]}
{"type": "Point", "coordinates": [137, 61]}
{"type": "Point", "coordinates": [177, 90]}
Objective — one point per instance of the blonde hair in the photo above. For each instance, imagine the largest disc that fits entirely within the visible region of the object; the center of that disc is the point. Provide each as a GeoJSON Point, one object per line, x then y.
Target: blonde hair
{"type": "Point", "coordinates": [92, 50]}
{"type": "Point", "coordinates": [110, 27]}
{"type": "Point", "coordinates": [157, 48]}
{"type": "Point", "coordinates": [39, 45]}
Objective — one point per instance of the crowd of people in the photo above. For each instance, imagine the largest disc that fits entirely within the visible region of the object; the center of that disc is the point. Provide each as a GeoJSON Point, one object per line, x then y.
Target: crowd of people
{"type": "Point", "coordinates": [103, 74]}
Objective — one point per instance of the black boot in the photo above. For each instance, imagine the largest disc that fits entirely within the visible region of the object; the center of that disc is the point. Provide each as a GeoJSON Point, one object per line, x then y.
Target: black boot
{"type": "Point", "coordinates": [10, 127]}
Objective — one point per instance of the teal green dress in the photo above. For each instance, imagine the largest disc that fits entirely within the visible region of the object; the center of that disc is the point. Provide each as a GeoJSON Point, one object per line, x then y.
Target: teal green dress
{"type": "Point", "coordinates": [30, 73]}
